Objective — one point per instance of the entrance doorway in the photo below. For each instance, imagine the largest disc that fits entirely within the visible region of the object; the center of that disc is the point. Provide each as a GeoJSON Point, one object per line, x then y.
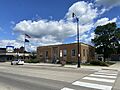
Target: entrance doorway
{"type": "Point", "coordinates": [55, 54]}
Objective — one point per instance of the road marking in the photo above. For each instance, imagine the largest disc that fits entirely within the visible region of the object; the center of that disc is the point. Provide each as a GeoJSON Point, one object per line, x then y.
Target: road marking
{"type": "Point", "coordinates": [104, 76]}
{"type": "Point", "coordinates": [91, 85]}
{"type": "Point", "coordinates": [99, 79]}
{"type": "Point", "coordinates": [65, 88]}
{"type": "Point", "coordinates": [105, 73]}
{"type": "Point", "coordinates": [101, 76]}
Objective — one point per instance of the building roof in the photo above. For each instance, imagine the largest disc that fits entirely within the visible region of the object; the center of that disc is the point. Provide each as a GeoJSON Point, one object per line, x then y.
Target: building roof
{"type": "Point", "coordinates": [65, 44]}
{"type": "Point", "coordinates": [2, 48]}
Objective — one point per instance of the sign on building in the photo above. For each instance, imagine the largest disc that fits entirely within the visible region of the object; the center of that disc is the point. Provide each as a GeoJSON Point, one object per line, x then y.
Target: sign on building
{"type": "Point", "coordinates": [9, 48]}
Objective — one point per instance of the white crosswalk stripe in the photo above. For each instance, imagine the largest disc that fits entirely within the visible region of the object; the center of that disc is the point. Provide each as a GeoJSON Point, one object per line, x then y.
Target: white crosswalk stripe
{"type": "Point", "coordinates": [100, 73]}
{"type": "Point", "coordinates": [91, 85]}
{"type": "Point", "coordinates": [104, 76]}
{"type": "Point", "coordinates": [101, 80]}
{"type": "Point", "coordinates": [108, 71]}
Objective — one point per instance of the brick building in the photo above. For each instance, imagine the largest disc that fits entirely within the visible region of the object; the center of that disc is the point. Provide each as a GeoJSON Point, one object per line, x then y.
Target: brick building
{"type": "Point", "coordinates": [67, 52]}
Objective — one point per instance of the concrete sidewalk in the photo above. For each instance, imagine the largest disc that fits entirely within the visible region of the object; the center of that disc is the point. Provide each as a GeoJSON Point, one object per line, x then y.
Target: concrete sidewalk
{"type": "Point", "coordinates": [44, 64]}
{"type": "Point", "coordinates": [66, 66]}
{"type": "Point", "coordinates": [113, 67]}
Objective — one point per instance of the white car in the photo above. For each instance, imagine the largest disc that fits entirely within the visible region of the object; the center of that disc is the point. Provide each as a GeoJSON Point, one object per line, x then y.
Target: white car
{"type": "Point", "coordinates": [17, 62]}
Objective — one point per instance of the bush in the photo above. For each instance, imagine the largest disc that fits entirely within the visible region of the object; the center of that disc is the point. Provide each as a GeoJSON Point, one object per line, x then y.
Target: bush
{"type": "Point", "coordinates": [99, 63]}
{"type": "Point", "coordinates": [110, 63]}
{"type": "Point", "coordinates": [32, 61]}
{"type": "Point", "coordinates": [71, 63]}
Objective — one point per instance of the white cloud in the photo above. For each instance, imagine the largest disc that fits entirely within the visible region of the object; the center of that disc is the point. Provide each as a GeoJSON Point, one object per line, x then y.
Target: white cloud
{"type": "Point", "coordinates": [57, 30]}
{"type": "Point", "coordinates": [49, 32]}
{"type": "Point", "coordinates": [86, 38]}
{"type": "Point", "coordinates": [86, 12]}
{"type": "Point", "coordinates": [12, 22]}
{"type": "Point", "coordinates": [104, 21]}
{"type": "Point", "coordinates": [16, 44]}
{"type": "Point", "coordinates": [4, 43]}
{"type": "Point", "coordinates": [83, 37]}
{"type": "Point", "coordinates": [85, 28]}
{"type": "Point", "coordinates": [108, 4]}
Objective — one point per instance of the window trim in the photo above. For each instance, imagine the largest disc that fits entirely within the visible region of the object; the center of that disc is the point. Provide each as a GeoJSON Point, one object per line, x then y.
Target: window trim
{"type": "Point", "coordinates": [64, 52]}
{"type": "Point", "coordinates": [84, 54]}
{"type": "Point", "coordinates": [74, 52]}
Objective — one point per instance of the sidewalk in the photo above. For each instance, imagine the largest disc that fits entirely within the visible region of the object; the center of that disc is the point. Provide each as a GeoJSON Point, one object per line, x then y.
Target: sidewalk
{"type": "Point", "coordinates": [44, 64]}
{"type": "Point", "coordinates": [66, 66]}
{"type": "Point", "coordinates": [113, 67]}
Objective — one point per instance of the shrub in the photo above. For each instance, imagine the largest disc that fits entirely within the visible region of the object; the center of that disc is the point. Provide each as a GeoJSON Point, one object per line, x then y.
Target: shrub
{"type": "Point", "coordinates": [99, 63]}
{"type": "Point", "coordinates": [71, 63]}
{"type": "Point", "coordinates": [32, 61]}
{"type": "Point", "coordinates": [103, 63]}
{"type": "Point", "coordinates": [110, 63]}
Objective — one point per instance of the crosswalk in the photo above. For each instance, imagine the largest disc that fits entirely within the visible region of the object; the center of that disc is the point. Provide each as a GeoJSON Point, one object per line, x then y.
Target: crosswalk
{"type": "Point", "coordinates": [100, 80]}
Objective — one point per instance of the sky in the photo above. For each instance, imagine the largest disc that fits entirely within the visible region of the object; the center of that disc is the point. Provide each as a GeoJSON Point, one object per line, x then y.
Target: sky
{"type": "Point", "coordinates": [50, 22]}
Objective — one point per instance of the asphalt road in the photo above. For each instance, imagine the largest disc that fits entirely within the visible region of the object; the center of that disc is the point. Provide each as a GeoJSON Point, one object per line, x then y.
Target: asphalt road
{"type": "Point", "coordinates": [28, 77]}
{"type": "Point", "coordinates": [20, 82]}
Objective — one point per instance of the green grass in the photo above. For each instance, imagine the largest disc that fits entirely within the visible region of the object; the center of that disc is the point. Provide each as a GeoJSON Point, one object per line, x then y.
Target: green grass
{"type": "Point", "coordinates": [98, 63]}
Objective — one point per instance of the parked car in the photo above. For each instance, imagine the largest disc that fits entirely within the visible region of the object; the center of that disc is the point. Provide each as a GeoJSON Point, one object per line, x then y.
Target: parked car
{"type": "Point", "coordinates": [17, 62]}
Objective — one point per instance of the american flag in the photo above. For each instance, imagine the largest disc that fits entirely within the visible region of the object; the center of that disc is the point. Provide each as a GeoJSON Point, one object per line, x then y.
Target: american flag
{"type": "Point", "coordinates": [27, 36]}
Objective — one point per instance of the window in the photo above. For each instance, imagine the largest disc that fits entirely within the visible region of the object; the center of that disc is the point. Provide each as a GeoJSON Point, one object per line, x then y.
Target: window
{"type": "Point", "coordinates": [61, 53]}
{"type": "Point", "coordinates": [40, 55]}
{"type": "Point", "coordinates": [46, 54]}
{"type": "Point", "coordinates": [64, 52]}
{"type": "Point", "coordinates": [87, 52]}
{"type": "Point", "coordinates": [83, 52]}
{"type": "Point", "coordinates": [73, 52]}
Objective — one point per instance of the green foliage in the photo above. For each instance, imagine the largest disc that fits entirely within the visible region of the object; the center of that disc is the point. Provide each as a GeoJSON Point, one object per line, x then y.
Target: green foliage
{"type": "Point", "coordinates": [98, 63]}
{"type": "Point", "coordinates": [110, 63]}
{"type": "Point", "coordinates": [32, 61]}
{"type": "Point", "coordinates": [106, 39]}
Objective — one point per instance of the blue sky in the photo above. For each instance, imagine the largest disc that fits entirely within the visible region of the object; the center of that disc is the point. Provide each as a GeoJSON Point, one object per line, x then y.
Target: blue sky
{"type": "Point", "coordinates": [50, 22]}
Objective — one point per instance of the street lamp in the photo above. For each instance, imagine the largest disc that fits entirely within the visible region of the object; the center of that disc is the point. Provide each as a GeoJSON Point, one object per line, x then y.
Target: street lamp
{"type": "Point", "coordinates": [78, 51]}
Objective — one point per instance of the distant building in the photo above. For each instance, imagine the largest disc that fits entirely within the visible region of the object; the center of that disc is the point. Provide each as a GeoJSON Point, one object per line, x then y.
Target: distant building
{"type": "Point", "coordinates": [18, 53]}
{"type": "Point", "coordinates": [67, 52]}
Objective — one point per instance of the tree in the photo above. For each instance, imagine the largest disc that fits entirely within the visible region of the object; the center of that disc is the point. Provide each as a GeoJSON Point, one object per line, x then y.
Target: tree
{"type": "Point", "coordinates": [107, 39]}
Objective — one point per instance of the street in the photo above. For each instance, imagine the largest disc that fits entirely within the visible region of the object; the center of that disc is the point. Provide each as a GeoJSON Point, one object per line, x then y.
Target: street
{"type": "Point", "coordinates": [18, 82]}
{"type": "Point", "coordinates": [44, 77]}
{"type": "Point", "coordinates": [28, 77]}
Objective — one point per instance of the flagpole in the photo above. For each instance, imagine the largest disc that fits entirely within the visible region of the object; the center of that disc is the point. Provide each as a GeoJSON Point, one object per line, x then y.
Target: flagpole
{"type": "Point", "coordinates": [24, 45]}
{"type": "Point", "coordinates": [25, 40]}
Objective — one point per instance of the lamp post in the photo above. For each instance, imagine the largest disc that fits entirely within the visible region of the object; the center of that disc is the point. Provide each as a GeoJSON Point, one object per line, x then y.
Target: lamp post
{"type": "Point", "coordinates": [17, 53]}
{"type": "Point", "coordinates": [78, 48]}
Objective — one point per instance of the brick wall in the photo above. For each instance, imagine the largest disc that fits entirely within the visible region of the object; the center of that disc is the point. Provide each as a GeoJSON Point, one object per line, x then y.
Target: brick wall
{"type": "Point", "coordinates": [67, 52]}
